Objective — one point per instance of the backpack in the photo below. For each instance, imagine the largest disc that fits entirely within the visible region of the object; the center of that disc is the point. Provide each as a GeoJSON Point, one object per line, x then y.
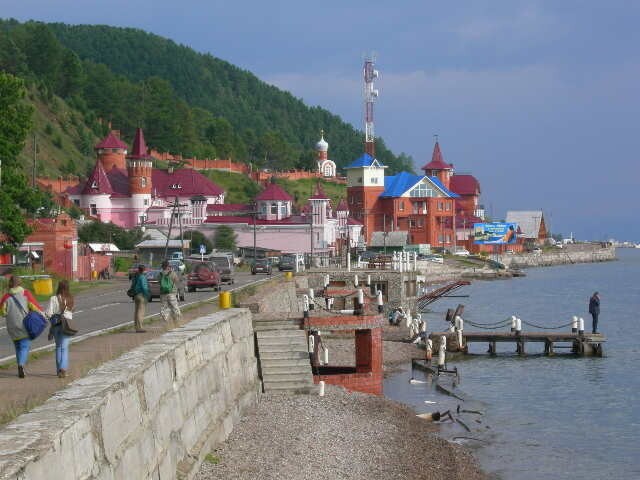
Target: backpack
{"type": "Point", "coordinates": [34, 322]}
{"type": "Point", "coordinates": [166, 284]}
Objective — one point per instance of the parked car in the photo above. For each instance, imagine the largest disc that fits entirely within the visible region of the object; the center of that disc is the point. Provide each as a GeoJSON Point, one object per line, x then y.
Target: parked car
{"type": "Point", "coordinates": [536, 250]}
{"type": "Point", "coordinates": [203, 275]}
{"type": "Point", "coordinates": [224, 265]}
{"type": "Point", "coordinates": [153, 278]}
{"type": "Point", "coordinates": [287, 263]}
{"type": "Point", "coordinates": [435, 258]}
{"type": "Point", "coordinates": [261, 265]}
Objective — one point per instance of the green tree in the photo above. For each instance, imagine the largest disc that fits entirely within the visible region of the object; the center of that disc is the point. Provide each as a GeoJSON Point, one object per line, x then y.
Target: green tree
{"type": "Point", "coordinates": [225, 238]}
{"type": "Point", "coordinates": [98, 232]}
{"type": "Point", "coordinates": [196, 239]}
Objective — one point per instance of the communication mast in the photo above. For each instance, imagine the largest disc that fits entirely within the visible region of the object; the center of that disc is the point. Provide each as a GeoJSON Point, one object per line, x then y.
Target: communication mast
{"type": "Point", "coordinates": [370, 95]}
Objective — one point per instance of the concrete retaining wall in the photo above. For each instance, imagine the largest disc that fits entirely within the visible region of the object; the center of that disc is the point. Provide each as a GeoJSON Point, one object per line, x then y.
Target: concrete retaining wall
{"type": "Point", "coordinates": [560, 256]}
{"type": "Point", "coordinates": [274, 296]}
{"type": "Point", "coordinates": [153, 413]}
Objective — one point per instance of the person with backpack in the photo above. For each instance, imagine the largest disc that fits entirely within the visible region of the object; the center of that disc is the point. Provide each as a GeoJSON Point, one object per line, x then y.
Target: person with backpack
{"type": "Point", "coordinates": [141, 295]}
{"type": "Point", "coordinates": [60, 305]}
{"type": "Point", "coordinates": [14, 306]}
{"type": "Point", "coordinates": [169, 308]}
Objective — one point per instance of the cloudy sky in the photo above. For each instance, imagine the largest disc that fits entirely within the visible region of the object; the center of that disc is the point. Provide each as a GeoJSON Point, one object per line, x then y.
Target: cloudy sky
{"type": "Point", "coordinates": [539, 100]}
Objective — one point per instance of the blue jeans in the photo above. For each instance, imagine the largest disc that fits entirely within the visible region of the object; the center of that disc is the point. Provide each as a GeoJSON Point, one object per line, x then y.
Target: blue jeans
{"type": "Point", "coordinates": [22, 350]}
{"type": "Point", "coordinates": [62, 349]}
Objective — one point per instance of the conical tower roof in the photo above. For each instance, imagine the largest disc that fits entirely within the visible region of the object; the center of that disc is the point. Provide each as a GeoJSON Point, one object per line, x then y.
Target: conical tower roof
{"type": "Point", "coordinates": [98, 183]}
{"type": "Point", "coordinates": [319, 193]}
{"type": "Point", "coordinates": [139, 149]}
{"type": "Point", "coordinates": [437, 161]}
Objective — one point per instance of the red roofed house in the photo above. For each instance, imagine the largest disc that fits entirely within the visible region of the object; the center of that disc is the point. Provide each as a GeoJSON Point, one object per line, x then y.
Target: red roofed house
{"type": "Point", "coordinates": [125, 188]}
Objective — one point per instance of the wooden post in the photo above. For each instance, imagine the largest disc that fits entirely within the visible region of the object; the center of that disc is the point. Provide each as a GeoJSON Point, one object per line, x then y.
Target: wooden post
{"type": "Point", "coordinates": [520, 347]}
{"type": "Point", "coordinates": [492, 348]}
{"type": "Point", "coordinates": [548, 347]}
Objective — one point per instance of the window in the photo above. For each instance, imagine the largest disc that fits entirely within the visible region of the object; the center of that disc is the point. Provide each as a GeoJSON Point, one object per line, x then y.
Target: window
{"type": "Point", "coordinates": [94, 185]}
{"type": "Point", "coordinates": [420, 222]}
{"type": "Point", "coordinates": [143, 182]}
{"type": "Point", "coordinates": [146, 202]}
{"type": "Point", "coordinates": [412, 223]}
{"type": "Point", "coordinates": [447, 206]}
{"type": "Point", "coordinates": [374, 179]}
{"type": "Point", "coordinates": [274, 208]}
{"type": "Point", "coordinates": [401, 207]}
{"type": "Point", "coordinates": [359, 179]}
{"type": "Point", "coordinates": [76, 202]}
{"type": "Point", "coordinates": [263, 208]}
{"type": "Point", "coordinates": [283, 210]}
{"type": "Point", "coordinates": [440, 206]}
{"type": "Point", "coordinates": [93, 209]}
{"type": "Point", "coordinates": [421, 190]}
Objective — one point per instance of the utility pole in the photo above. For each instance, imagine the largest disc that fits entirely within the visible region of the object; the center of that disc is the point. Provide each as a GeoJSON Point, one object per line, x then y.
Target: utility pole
{"type": "Point", "coordinates": [35, 158]}
{"type": "Point", "coordinates": [255, 213]}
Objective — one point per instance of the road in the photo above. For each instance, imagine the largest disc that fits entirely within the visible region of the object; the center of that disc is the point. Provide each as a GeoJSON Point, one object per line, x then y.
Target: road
{"type": "Point", "coordinates": [111, 307]}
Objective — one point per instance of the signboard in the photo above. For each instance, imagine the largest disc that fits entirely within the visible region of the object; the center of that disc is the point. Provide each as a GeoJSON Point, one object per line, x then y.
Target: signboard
{"type": "Point", "coordinates": [203, 249]}
{"type": "Point", "coordinates": [495, 233]}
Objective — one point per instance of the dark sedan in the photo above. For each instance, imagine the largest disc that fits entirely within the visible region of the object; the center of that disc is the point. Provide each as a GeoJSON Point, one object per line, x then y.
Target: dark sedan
{"type": "Point", "coordinates": [261, 265]}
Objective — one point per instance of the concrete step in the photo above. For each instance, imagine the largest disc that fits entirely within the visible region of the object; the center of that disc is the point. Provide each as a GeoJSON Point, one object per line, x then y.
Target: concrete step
{"type": "Point", "coordinates": [285, 362]}
{"type": "Point", "coordinates": [303, 378]}
{"type": "Point", "coordinates": [269, 370]}
{"type": "Point", "coordinates": [275, 325]}
{"type": "Point", "coordinates": [282, 347]}
{"type": "Point", "coordinates": [294, 342]}
{"type": "Point", "coordinates": [288, 387]}
{"type": "Point", "coordinates": [286, 355]}
{"type": "Point", "coordinates": [286, 333]}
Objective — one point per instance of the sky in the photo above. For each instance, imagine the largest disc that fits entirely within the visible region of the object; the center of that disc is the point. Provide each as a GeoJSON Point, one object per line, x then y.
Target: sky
{"type": "Point", "coordinates": [538, 99]}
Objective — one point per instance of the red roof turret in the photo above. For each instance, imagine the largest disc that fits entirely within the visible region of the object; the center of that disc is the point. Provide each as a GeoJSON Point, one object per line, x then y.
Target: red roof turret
{"type": "Point", "coordinates": [98, 182]}
{"type": "Point", "coordinates": [342, 206]}
{"type": "Point", "coordinates": [274, 192]}
{"type": "Point", "coordinates": [437, 161]}
{"type": "Point", "coordinates": [139, 149]}
{"type": "Point", "coordinates": [111, 141]}
{"type": "Point", "coordinates": [319, 193]}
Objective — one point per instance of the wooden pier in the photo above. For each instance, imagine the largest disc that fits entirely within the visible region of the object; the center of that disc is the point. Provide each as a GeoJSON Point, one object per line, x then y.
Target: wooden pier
{"type": "Point", "coordinates": [584, 344]}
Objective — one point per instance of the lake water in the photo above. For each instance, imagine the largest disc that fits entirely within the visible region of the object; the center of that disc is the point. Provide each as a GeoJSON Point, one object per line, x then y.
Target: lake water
{"type": "Point", "coordinates": [563, 417]}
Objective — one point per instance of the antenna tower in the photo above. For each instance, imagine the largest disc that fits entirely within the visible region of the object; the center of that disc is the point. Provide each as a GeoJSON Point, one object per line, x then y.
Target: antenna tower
{"type": "Point", "coordinates": [370, 95]}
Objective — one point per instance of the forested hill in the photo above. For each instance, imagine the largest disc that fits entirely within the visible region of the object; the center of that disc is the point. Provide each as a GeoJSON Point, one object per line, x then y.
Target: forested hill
{"type": "Point", "coordinates": [188, 103]}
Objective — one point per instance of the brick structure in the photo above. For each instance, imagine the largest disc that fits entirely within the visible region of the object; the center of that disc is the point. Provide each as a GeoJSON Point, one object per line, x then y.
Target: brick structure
{"type": "Point", "coordinates": [367, 373]}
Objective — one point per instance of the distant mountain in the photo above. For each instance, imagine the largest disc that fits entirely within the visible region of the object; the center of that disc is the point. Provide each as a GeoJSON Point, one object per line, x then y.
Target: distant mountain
{"type": "Point", "coordinates": [188, 103]}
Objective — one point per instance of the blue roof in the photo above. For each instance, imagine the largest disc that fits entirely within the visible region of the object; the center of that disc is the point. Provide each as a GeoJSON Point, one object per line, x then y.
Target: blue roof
{"type": "Point", "coordinates": [397, 185]}
{"type": "Point", "coordinates": [446, 191]}
{"type": "Point", "coordinates": [365, 160]}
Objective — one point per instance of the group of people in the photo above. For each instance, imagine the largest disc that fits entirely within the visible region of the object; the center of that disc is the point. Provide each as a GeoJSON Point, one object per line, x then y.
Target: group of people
{"type": "Point", "coordinates": [169, 308]}
{"type": "Point", "coordinates": [14, 306]}
{"type": "Point", "coordinates": [18, 301]}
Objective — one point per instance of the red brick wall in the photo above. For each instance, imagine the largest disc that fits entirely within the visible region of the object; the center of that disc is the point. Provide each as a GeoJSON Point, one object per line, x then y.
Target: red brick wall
{"type": "Point", "coordinates": [357, 382]}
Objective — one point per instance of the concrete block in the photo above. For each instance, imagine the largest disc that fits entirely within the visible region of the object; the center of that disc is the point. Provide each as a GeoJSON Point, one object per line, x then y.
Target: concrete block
{"type": "Point", "coordinates": [120, 416]}
{"type": "Point", "coordinates": [157, 380]}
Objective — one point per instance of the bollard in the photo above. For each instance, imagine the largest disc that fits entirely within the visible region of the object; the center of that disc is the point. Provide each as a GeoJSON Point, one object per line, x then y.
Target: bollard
{"type": "Point", "coordinates": [368, 280]}
{"type": "Point", "coordinates": [326, 281]}
{"type": "Point", "coordinates": [224, 300]}
{"type": "Point", "coordinates": [355, 280]}
{"type": "Point", "coordinates": [288, 275]}
{"type": "Point", "coordinates": [311, 343]}
{"type": "Point", "coordinates": [321, 383]}
{"type": "Point", "coordinates": [379, 301]}
{"type": "Point", "coordinates": [305, 305]}
{"type": "Point", "coordinates": [581, 326]}
{"type": "Point", "coordinates": [429, 349]}
{"type": "Point", "coordinates": [574, 324]}
{"type": "Point", "coordinates": [312, 299]}
{"type": "Point", "coordinates": [441, 352]}
{"type": "Point", "coordinates": [325, 355]}
{"type": "Point", "coordinates": [518, 326]}
{"type": "Point", "coordinates": [513, 323]}
{"type": "Point", "coordinates": [459, 338]}
{"type": "Point", "coordinates": [361, 301]}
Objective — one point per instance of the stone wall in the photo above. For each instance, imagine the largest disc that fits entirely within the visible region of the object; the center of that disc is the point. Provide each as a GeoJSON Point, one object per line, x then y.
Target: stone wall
{"type": "Point", "coordinates": [277, 295]}
{"type": "Point", "coordinates": [153, 413]}
{"type": "Point", "coordinates": [559, 256]}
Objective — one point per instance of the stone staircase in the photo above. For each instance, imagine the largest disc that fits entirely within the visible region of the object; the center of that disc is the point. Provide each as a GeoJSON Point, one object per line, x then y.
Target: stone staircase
{"type": "Point", "coordinates": [283, 355]}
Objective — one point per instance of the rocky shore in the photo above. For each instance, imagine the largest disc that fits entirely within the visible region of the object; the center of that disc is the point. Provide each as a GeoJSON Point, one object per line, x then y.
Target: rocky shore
{"type": "Point", "coordinates": [343, 435]}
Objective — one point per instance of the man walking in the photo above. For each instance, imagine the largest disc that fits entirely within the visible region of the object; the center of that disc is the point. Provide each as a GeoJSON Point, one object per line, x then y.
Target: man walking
{"type": "Point", "coordinates": [141, 295]}
{"type": "Point", "coordinates": [169, 309]}
{"type": "Point", "coordinates": [594, 310]}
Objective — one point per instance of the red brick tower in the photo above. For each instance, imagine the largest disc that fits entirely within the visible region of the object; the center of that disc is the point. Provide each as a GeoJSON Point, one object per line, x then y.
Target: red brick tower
{"type": "Point", "coordinates": [139, 169]}
{"type": "Point", "coordinates": [112, 151]}
{"type": "Point", "coordinates": [365, 184]}
{"type": "Point", "coordinates": [438, 168]}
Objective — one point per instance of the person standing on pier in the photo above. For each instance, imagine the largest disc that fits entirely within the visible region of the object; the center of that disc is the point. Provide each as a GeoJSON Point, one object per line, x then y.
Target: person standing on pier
{"type": "Point", "coordinates": [594, 310]}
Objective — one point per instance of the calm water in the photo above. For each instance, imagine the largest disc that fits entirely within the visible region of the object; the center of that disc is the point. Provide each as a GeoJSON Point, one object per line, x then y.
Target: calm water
{"type": "Point", "coordinates": [562, 417]}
